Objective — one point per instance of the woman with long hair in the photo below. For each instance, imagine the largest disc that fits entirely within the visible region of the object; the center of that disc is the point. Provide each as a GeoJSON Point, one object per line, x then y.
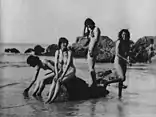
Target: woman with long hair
{"type": "Point", "coordinates": [63, 63]}
{"type": "Point", "coordinates": [121, 59]}
{"type": "Point", "coordinates": [92, 32]}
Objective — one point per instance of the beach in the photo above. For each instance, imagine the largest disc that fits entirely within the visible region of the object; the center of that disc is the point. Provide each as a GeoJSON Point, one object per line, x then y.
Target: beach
{"type": "Point", "coordinates": [138, 99]}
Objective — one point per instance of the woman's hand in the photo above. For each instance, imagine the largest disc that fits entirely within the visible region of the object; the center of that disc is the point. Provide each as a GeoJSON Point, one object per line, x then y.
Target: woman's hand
{"type": "Point", "coordinates": [90, 53]}
{"type": "Point", "coordinates": [60, 80]}
{"type": "Point", "coordinates": [25, 92]}
{"type": "Point", "coordinates": [56, 77]}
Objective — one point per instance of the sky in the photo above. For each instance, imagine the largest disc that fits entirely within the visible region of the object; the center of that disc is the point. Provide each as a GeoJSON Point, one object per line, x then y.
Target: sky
{"type": "Point", "coordinates": [45, 21]}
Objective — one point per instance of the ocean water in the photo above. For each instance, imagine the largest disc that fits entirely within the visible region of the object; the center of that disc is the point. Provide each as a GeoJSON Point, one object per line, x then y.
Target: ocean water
{"type": "Point", "coordinates": [138, 99]}
{"type": "Point", "coordinates": [20, 46]}
{"type": "Point", "coordinates": [12, 58]}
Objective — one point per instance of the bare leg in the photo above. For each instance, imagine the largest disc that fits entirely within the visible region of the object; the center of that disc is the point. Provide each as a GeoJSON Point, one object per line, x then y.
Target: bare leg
{"type": "Point", "coordinates": [120, 70]}
{"type": "Point", "coordinates": [120, 89]}
{"type": "Point", "coordinates": [57, 88]}
{"type": "Point", "coordinates": [91, 64]}
{"type": "Point", "coordinates": [70, 74]}
{"type": "Point", "coordinates": [52, 88]}
{"type": "Point", "coordinates": [47, 80]}
{"type": "Point", "coordinates": [36, 88]}
{"type": "Point", "coordinates": [93, 76]}
{"type": "Point", "coordinates": [41, 88]}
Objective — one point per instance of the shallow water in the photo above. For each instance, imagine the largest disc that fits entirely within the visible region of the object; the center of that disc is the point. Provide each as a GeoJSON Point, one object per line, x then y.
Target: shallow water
{"type": "Point", "coordinates": [138, 99]}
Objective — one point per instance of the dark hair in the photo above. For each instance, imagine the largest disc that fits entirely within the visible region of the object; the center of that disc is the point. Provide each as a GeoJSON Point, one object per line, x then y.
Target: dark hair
{"type": "Point", "coordinates": [62, 40]}
{"type": "Point", "coordinates": [127, 34]}
{"type": "Point", "coordinates": [152, 41]}
{"type": "Point", "coordinates": [33, 60]}
{"type": "Point", "coordinates": [89, 21]}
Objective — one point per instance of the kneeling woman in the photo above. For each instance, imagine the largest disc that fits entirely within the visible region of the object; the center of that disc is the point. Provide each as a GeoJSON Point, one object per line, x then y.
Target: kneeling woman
{"type": "Point", "coordinates": [45, 64]}
{"type": "Point", "coordinates": [64, 63]}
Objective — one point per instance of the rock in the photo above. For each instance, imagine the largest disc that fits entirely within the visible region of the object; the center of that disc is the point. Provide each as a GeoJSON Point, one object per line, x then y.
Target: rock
{"type": "Point", "coordinates": [7, 50]}
{"type": "Point", "coordinates": [12, 50]}
{"type": "Point", "coordinates": [77, 89]}
{"type": "Point", "coordinates": [80, 48]}
{"type": "Point", "coordinates": [105, 53]}
{"type": "Point", "coordinates": [104, 47]}
{"type": "Point", "coordinates": [140, 53]}
{"type": "Point", "coordinates": [105, 75]}
{"type": "Point", "coordinates": [38, 50]}
{"type": "Point", "coordinates": [29, 50]}
{"type": "Point", "coordinates": [51, 49]}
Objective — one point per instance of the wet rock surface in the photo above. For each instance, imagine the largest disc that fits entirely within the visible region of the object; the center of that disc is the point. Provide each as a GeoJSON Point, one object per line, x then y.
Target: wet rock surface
{"type": "Point", "coordinates": [78, 89]}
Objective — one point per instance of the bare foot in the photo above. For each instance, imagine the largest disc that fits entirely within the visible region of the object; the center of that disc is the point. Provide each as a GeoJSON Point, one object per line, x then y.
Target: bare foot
{"type": "Point", "coordinates": [123, 86]}
{"type": "Point", "coordinates": [51, 101]}
{"type": "Point", "coordinates": [25, 94]}
{"type": "Point", "coordinates": [34, 94]}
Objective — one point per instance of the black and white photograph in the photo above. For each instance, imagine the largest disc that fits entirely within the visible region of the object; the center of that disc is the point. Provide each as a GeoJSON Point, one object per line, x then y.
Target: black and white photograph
{"type": "Point", "coordinates": [77, 58]}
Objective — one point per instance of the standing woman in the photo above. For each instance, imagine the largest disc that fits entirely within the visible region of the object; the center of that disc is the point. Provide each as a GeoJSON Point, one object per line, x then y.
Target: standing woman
{"type": "Point", "coordinates": [64, 64]}
{"type": "Point", "coordinates": [93, 32]}
{"type": "Point", "coordinates": [121, 59]}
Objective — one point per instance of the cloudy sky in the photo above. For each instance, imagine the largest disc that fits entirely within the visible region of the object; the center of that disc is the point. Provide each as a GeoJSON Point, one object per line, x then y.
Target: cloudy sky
{"type": "Point", "coordinates": [44, 21]}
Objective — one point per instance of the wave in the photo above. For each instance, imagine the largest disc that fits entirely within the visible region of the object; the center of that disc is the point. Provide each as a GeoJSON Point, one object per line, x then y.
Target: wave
{"type": "Point", "coordinates": [14, 106]}
{"type": "Point", "coordinates": [14, 54]}
{"type": "Point", "coordinates": [13, 64]}
{"type": "Point", "coordinates": [10, 84]}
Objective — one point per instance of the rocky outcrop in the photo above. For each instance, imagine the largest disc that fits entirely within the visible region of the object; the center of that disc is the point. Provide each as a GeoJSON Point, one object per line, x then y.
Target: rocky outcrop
{"type": "Point", "coordinates": [50, 50]}
{"type": "Point", "coordinates": [39, 50]}
{"type": "Point", "coordinates": [104, 47]}
{"type": "Point", "coordinates": [80, 47]}
{"type": "Point", "coordinates": [140, 53]}
{"type": "Point", "coordinates": [29, 50]}
{"type": "Point", "coordinates": [12, 50]}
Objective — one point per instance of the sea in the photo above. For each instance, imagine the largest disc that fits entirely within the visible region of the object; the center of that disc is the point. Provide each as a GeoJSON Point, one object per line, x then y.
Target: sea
{"type": "Point", "coordinates": [138, 99]}
{"type": "Point", "coordinates": [11, 57]}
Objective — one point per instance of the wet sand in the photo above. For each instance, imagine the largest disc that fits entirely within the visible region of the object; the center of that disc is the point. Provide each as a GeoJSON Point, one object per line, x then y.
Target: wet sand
{"type": "Point", "coordinates": [138, 99]}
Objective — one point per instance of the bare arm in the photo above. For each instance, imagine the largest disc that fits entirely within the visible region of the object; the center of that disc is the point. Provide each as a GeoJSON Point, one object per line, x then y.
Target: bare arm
{"type": "Point", "coordinates": [68, 63]}
{"type": "Point", "coordinates": [86, 32]}
{"type": "Point", "coordinates": [93, 40]}
{"type": "Point", "coordinates": [50, 64]}
{"type": "Point", "coordinates": [117, 47]}
{"type": "Point", "coordinates": [56, 63]}
{"type": "Point", "coordinates": [33, 80]}
{"type": "Point", "coordinates": [117, 53]}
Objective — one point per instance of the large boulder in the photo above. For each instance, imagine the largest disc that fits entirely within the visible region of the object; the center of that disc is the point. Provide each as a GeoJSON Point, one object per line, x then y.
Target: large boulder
{"type": "Point", "coordinates": [80, 47]}
{"type": "Point", "coordinates": [140, 53]}
{"type": "Point", "coordinates": [105, 53]}
{"type": "Point", "coordinates": [51, 49]}
{"type": "Point", "coordinates": [38, 50]}
{"type": "Point", "coordinates": [77, 89]}
{"type": "Point", "coordinates": [104, 46]}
